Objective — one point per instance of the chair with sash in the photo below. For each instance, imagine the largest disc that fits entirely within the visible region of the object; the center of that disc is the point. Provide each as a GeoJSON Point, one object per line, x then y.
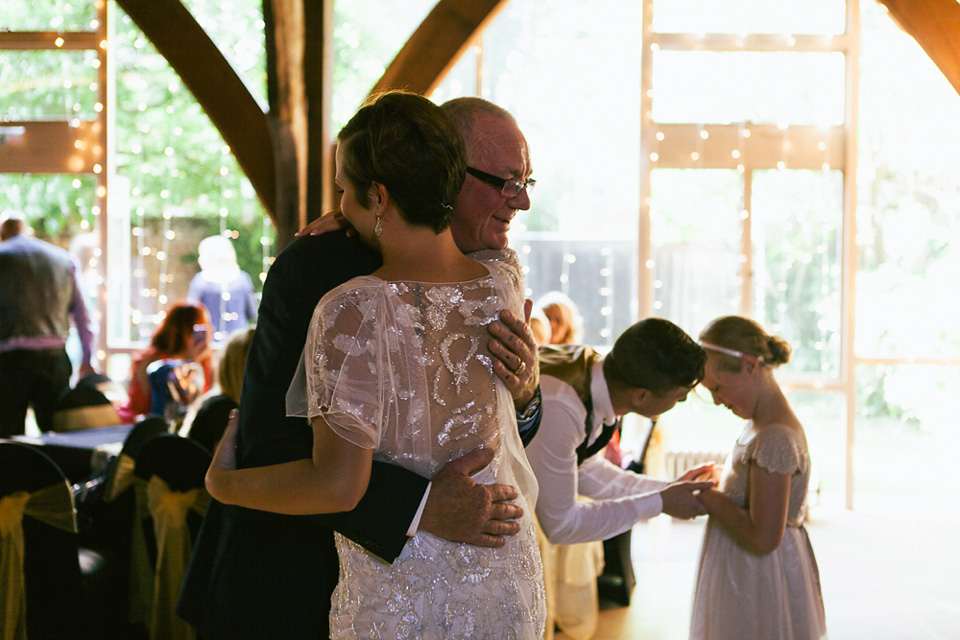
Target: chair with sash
{"type": "Point", "coordinates": [210, 421]}
{"type": "Point", "coordinates": [114, 392]}
{"type": "Point", "coordinates": [106, 505]}
{"type": "Point", "coordinates": [45, 575]}
{"type": "Point", "coordinates": [168, 482]}
{"type": "Point", "coordinates": [84, 407]}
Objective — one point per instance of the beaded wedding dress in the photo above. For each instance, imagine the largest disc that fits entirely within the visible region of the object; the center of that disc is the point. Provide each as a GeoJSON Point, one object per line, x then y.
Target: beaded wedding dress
{"type": "Point", "coordinates": [403, 368]}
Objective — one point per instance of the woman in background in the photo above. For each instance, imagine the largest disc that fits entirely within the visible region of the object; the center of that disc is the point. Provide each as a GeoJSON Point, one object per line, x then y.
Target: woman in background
{"type": "Point", "coordinates": [208, 415]}
{"type": "Point", "coordinates": [565, 320]}
{"type": "Point", "coordinates": [758, 577]}
{"type": "Point", "coordinates": [184, 334]}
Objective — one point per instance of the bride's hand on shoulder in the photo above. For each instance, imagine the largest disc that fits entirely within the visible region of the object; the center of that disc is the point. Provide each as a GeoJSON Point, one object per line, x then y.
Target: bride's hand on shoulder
{"type": "Point", "coordinates": [333, 221]}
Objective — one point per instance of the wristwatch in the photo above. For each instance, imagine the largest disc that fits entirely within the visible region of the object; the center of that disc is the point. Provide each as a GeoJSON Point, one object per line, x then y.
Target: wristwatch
{"type": "Point", "coordinates": [532, 408]}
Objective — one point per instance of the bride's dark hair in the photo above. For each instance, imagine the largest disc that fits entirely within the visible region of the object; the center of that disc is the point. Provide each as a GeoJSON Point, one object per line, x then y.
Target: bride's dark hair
{"type": "Point", "coordinates": [408, 144]}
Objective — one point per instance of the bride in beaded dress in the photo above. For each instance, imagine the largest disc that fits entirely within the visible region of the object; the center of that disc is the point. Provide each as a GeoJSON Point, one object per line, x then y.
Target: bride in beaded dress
{"type": "Point", "coordinates": [396, 368]}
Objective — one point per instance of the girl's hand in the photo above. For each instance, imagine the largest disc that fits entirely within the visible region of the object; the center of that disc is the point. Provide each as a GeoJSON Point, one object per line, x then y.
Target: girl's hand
{"type": "Point", "coordinates": [709, 472]}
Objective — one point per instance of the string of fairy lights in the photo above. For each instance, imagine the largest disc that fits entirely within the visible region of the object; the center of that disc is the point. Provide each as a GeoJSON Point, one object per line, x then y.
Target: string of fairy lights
{"type": "Point", "coordinates": [135, 297]}
{"type": "Point", "coordinates": [819, 256]}
{"type": "Point", "coordinates": [153, 282]}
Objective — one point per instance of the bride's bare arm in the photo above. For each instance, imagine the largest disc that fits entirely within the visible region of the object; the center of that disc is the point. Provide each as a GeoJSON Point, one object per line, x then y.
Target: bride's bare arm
{"type": "Point", "coordinates": [333, 480]}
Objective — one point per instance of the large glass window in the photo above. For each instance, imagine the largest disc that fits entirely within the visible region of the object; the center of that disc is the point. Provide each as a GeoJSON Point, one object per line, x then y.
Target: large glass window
{"type": "Point", "coordinates": [176, 181]}
{"type": "Point", "coordinates": [908, 219]}
{"type": "Point", "coordinates": [908, 222]}
{"type": "Point", "coordinates": [723, 87]}
{"type": "Point", "coordinates": [797, 240]}
{"type": "Point", "coordinates": [44, 85]}
{"type": "Point", "coordinates": [824, 17]}
{"type": "Point", "coordinates": [575, 92]}
{"type": "Point", "coordinates": [906, 438]}
{"type": "Point", "coordinates": [745, 203]}
{"type": "Point", "coordinates": [696, 237]}
{"type": "Point", "coordinates": [49, 15]}
{"type": "Point", "coordinates": [170, 180]}
{"type": "Point", "coordinates": [367, 37]}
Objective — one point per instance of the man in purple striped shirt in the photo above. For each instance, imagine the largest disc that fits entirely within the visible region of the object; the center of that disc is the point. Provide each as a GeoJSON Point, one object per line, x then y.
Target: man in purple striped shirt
{"type": "Point", "coordinates": [39, 293]}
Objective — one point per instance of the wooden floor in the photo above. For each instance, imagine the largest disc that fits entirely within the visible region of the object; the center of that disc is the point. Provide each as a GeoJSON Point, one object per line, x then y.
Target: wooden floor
{"type": "Point", "coordinates": [884, 576]}
{"type": "Point", "coordinates": [890, 571]}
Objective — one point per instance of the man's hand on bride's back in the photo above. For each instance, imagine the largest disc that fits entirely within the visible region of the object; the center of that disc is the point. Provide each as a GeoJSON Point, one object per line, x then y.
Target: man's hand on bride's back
{"type": "Point", "coordinates": [461, 510]}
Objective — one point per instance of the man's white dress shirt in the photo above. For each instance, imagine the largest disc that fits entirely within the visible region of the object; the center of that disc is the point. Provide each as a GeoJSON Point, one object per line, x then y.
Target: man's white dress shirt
{"type": "Point", "coordinates": [620, 498]}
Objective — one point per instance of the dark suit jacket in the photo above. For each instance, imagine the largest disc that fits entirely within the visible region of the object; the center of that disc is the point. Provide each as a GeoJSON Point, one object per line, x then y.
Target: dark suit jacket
{"type": "Point", "coordinates": [259, 575]}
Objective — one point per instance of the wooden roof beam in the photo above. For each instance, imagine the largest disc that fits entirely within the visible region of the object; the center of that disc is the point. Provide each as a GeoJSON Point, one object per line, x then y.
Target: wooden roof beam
{"type": "Point", "coordinates": [215, 84]}
{"type": "Point", "coordinates": [437, 44]}
{"type": "Point", "coordinates": [935, 25]}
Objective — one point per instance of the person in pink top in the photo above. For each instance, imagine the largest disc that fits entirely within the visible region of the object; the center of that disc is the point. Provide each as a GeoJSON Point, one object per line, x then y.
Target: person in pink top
{"type": "Point", "coordinates": [182, 335]}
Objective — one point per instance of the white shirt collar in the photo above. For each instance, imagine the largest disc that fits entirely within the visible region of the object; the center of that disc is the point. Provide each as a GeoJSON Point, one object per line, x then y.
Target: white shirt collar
{"type": "Point", "coordinates": [602, 404]}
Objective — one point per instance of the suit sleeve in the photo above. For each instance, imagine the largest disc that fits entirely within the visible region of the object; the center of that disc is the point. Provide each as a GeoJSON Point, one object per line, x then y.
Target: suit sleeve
{"type": "Point", "coordinates": [380, 521]}
{"type": "Point", "coordinates": [301, 275]}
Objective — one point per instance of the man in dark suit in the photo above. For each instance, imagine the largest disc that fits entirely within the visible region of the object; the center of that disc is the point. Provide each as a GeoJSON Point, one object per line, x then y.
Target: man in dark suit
{"type": "Point", "coordinates": [255, 574]}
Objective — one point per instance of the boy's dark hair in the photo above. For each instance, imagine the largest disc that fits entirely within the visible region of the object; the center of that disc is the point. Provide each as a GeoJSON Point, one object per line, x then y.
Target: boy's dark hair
{"type": "Point", "coordinates": [656, 355]}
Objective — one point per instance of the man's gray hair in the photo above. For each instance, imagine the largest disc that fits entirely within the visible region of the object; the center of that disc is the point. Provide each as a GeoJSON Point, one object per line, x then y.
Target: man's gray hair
{"type": "Point", "coordinates": [464, 110]}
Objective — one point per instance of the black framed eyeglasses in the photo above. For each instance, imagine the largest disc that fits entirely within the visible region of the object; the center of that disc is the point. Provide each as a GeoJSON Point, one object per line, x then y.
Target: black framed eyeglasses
{"type": "Point", "coordinates": [509, 187]}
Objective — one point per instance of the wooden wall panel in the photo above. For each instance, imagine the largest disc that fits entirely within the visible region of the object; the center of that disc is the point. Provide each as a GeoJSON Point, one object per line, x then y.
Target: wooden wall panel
{"type": "Point", "coordinates": [49, 147]}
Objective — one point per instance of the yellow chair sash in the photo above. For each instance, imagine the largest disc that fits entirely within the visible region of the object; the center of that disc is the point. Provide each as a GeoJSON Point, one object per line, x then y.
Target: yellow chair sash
{"type": "Point", "coordinates": [169, 511]}
{"type": "Point", "coordinates": [121, 478]}
{"type": "Point", "coordinates": [51, 505]}
{"type": "Point", "coordinates": [90, 417]}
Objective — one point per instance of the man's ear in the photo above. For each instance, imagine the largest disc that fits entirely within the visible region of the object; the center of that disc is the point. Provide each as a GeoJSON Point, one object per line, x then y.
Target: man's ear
{"type": "Point", "coordinates": [637, 398]}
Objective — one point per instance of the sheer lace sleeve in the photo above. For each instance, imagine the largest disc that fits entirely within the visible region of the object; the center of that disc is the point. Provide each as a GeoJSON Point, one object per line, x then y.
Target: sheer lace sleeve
{"type": "Point", "coordinates": [780, 449]}
{"type": "Point", "coordinates": [340, 366]}
{"type": "Point", "coordinates": [364, 372]}
{"type": "Point", "coordinates": [504, 265]}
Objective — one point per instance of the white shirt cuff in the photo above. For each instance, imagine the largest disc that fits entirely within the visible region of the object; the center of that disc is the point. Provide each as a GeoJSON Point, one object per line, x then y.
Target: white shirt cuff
{"type": "Point", "coordinates": [415, 524]}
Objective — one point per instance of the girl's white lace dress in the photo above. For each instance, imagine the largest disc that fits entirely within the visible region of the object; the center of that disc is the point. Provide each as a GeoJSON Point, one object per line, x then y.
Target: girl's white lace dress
{"type": "Point", "coordinates": [775, 596]}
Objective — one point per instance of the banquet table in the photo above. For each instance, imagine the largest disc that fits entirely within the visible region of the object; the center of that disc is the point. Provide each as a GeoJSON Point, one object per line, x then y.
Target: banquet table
{"type": "Point", "coordinates": [83, 453]}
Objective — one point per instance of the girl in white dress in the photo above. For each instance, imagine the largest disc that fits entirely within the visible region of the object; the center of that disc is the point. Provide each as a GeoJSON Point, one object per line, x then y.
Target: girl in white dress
{"type": "Point", "coordinates": [396, 368]}
{"type": "Point", "coordinates": [758, 577]}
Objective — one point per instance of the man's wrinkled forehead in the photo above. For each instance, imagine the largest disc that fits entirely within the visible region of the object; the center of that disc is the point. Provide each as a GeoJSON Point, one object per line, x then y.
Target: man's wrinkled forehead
{"type": "Point", "coordinates": [500, 146]}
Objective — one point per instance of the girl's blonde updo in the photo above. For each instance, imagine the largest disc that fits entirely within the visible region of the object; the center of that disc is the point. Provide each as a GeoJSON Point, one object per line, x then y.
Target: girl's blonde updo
{"type": "Point", "coordinates": [737, 333]}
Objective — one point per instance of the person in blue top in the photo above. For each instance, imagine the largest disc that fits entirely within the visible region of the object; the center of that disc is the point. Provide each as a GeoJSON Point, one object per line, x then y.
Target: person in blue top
{"type": "Point", "coordinates": [221, 286]}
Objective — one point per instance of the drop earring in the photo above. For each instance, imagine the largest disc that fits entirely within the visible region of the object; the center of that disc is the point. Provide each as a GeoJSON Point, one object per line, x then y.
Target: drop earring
{"type": "Point", "coordinates": [378, 228]}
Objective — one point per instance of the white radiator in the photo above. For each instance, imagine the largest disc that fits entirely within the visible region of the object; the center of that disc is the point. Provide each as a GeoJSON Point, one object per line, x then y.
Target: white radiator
{"type": "Point", "coordinates": [676, 463]}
